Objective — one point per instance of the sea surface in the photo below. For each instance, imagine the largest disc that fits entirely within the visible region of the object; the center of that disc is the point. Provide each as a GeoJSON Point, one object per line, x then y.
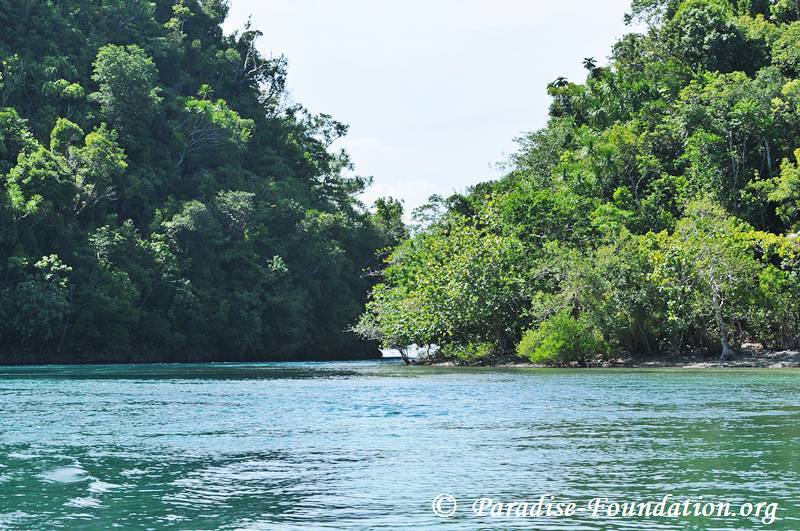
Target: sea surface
{"type": "Point", "coordinates": [370, 445]}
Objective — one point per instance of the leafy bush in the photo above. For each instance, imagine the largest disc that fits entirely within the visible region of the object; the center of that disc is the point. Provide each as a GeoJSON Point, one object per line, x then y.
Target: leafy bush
{"type": "Point", "coordinates": [469, 352]}
{"type": "Point", "coordinates": [562, 339]}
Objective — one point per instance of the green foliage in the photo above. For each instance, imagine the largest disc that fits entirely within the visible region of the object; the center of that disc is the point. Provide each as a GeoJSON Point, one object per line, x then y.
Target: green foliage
{"type": "Point", "coordinates": [211, 124]}
{"type": "Point", "coordinates": [785, 10]}
{"type": "Point", "coordinates": [63, 89]}
{"type": "Point", "coordinates": [388, 217]}
{"type": "Point", "coordinates": [705, 35]}
{"type": "Point", "coordinates": [562, 339]}
{"type": "Point", "coordinates": [127, 78]}
{"type": "Point", "coordinates": [64, 135]}
{"type": "Point", "coordinates": [36, 307]}
{"type": "Point", "coordinates": [185, 208]}
{"type": "Point", "coordinates": [647, 218]}
{"type": "Point", "coordinates": [786, 193]}
{"type": "Point", "coordinates": [478, 299]}
{"type": "Point", "coordinates": [471, 352]}
{"type": "Point", "coordinates": [15, 138]}
{"type": "Point", "coordinates": [786, 50]}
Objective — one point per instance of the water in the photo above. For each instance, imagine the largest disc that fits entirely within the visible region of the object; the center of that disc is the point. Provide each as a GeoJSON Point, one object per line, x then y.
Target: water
{"type": "Point", "coordinates": [370, 444]}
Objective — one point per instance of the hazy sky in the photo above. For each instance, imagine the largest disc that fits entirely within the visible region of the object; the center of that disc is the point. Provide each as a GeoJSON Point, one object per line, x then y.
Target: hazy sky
{"type": "Point", "coordinates": [434, 91]}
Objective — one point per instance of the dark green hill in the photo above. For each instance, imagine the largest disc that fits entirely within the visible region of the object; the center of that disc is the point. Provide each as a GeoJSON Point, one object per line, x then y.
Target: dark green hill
{"type": "Point", "coordinates": [160, 200]}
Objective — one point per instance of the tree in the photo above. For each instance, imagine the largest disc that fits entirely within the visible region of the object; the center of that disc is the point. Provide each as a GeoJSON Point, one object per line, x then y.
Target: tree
{"type": "Point", "coordinates": [388, 218]}
{"type": "Point", "coordinates": [15, 138]}
{"type": "Point", "coordinates": [98, 166]}
{"type": "Point", "coordinates": [201, 214]}
{"type": "Point", "coordinates": [721, 262]}
{"type": "Point", "coordinates": [36, 308]}
{"type": "Point", "coordinates": [645, 218]}
{"type": "Point", "coordinates": [210, 124]}
{"type": "Point", "coordinates": [786, 193]}
{"type": "Point", "coordinates": [128, 94]}
{"type": "Point", "coordinates": [785, 51]}
{"type": "Point", "coordinates": [705, 35]}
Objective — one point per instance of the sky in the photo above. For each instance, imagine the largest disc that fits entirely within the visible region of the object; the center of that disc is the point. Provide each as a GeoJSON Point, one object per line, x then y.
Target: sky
{"type": "Point", "coordinates": [434, 91]}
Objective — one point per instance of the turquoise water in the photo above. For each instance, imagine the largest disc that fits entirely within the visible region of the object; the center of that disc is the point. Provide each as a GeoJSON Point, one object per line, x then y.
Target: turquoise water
{"type": "Point", "coordinates": [370, 444]}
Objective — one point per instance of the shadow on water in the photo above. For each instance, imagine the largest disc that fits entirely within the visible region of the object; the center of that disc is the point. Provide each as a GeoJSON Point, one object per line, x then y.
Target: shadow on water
{"type": "Point", "coordinates": [182, 371]}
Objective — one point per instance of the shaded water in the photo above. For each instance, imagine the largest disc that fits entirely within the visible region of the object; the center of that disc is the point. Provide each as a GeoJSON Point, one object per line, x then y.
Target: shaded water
{"type": "Point", "coordinates": [370, 444]}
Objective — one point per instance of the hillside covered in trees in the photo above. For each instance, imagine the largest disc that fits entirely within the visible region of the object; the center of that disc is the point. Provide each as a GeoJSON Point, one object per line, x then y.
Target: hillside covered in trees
{"type": "Point", "coordinates": [656, 213]}
{"type": "Point", "coordinates": [162, 199]}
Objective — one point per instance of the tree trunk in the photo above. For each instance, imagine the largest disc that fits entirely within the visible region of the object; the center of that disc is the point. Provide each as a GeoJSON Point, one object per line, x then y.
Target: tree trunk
{"type": "Point", "coordinates": [404, 355]}
{"type": "Point", "coordinates": [66, 321]}
{"type": "Point", "coordinates": [727, 353]}
{"type": "Point", "coordinates": [769, 158]}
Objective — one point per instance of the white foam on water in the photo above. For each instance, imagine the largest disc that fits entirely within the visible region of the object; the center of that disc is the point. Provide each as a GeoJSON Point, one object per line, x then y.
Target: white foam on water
{"type": "Point", "coordinates": [133, 472]}
{"type": "Point", "coordinates": [65, 474]}
{"type": "Point", "coordinates": [13, 518]}
{"type": "Point", "coordinates": [84, 503]}
{"type": "Point", "coordinates": [21, 455]}
{"type": "Point", "coordinates": [99, 487]}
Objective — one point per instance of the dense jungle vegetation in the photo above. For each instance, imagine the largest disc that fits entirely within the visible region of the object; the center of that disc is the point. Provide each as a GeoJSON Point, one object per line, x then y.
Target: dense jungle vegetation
{"type": "Point", "coordinates": [656, 213]}
{"type": "Point", "coordinates": [162, 199]}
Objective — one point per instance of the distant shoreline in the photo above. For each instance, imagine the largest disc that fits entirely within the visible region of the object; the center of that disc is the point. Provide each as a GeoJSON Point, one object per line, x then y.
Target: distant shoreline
{"type": "Point", "coordinates": [751, 358]}
{"type": "Point", "coordinates": [26, 360]}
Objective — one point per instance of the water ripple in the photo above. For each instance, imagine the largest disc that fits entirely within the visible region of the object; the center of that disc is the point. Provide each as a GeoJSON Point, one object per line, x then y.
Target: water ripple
{"type": "Point", "coordinates": [355, 445]}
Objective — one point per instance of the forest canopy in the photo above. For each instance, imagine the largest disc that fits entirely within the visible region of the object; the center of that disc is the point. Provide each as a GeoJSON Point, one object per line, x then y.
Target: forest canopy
{"type": "Point", "coordinates": [657, 212]}
{"type": "Point", "coordinates": [162, 199]}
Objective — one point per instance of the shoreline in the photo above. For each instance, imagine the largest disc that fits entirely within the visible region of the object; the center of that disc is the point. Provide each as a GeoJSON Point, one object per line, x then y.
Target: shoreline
{"type": "Point", "coordinates": [753, 359]}
{"type": "Point", "coordinates": [33, 360]}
